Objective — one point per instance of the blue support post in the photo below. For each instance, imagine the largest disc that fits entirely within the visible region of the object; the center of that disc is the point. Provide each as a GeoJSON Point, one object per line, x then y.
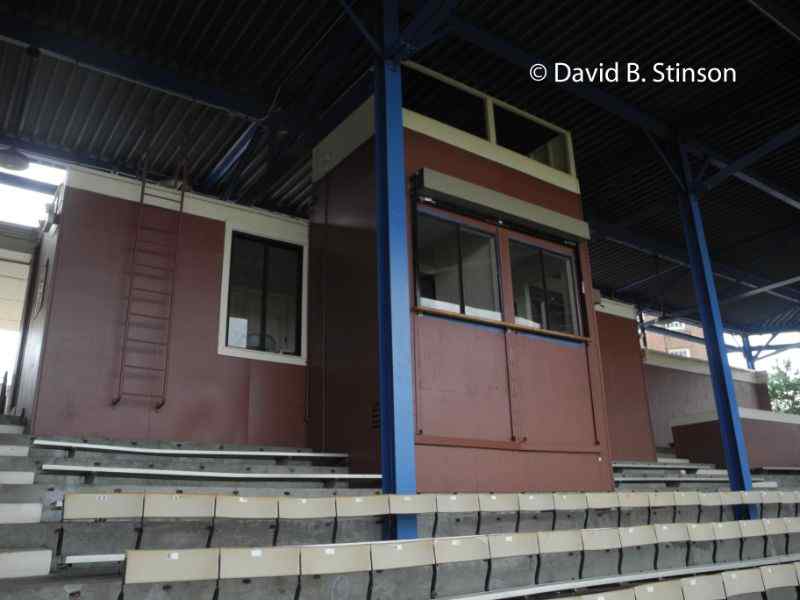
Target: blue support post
{"type": "Point", "coordinates": [394, 278]}
{"type": "Point", "coordinates": [705, 290]}
{"type": "Point", "coordinates": [747, 350]}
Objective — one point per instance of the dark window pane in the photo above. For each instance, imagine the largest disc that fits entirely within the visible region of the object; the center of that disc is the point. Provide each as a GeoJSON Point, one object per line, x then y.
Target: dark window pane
{"type": "Point", "coordinates": [479, 272]}
{"type": "Point", "coordinates": [561, 304]}
{"type": "Point", "coordinates": [246, 293]}
{"type": "Point", "coordinates": [528, 283]}
{"type": "Point", "coordinates": [283, 285]}
{"type": "Point", "coordinates": [439, 285]}
{"type": "Point", "coordinates": [443, 102]}
{"type": "Point", "coordinates": [528, 137]}
{"type": "Point", "coordinates": [264, 308]}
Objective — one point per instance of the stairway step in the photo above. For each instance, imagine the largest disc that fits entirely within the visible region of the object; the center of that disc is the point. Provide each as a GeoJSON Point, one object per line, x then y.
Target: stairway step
{"type": "Point", "coordinates": [14, 450]}
{"type": "Point", "coordinates": [25, 563]}
{"type": "Point", "coordinates": [17, 477]}
{"type": "Point", "coordinates": [20, 512]}
{"type": "Point", "coordinates": [12, 429]}
{"type": "Point", "coordinates": [11, 420]}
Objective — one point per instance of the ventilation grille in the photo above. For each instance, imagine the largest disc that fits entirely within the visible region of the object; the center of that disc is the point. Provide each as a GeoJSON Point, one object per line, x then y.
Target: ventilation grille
{"type": "Point", "coordinates": [375, 417]}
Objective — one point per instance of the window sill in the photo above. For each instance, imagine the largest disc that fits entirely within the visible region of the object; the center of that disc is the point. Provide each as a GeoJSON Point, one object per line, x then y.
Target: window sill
{"type": "Point", "coordinates": [501, 324]}
{"type": "Point", "coordinates": [286, 359]}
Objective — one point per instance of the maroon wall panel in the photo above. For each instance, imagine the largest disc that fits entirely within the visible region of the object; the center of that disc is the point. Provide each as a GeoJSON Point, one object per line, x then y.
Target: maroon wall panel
{"type": "Point", "coordinates": [210, 397]}
{"type": "Point", "coordinates": [551, 394]}
{"type": "Point", "coordinates": [630, 430]}
{"type": "Point", "coordinates": [769, 444]}
{"type": "Point", "coordinates": [449, 469]}
{"type": "Point", "coordinates": [344, 312]}
{"type": "Point", "coordinates": [462, 380]}
{"type": "Point", "coordinates": [423, 151]}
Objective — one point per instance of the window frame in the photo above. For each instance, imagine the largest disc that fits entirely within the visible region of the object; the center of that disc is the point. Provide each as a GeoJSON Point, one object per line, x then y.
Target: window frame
{"type": "Point", "coordinates": [262, 355]}
{"type": "Point", "coordinates": [469, 223]}
{"type": "Point", "coordinates": [502, 235]}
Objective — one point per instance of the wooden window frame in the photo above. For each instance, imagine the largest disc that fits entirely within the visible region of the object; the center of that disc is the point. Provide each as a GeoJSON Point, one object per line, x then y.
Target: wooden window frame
{"type": "Point", "coordinates": [502, 236]}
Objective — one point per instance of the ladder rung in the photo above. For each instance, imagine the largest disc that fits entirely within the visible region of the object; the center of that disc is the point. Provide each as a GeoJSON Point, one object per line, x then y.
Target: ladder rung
{"type": "Point", "coordinates": [127, 366]}
{"type": "Point", "coordinates": [165, 269]}
{"type": "Point", "coordinates": [141, 341]}
{"type": "Point", "coordinates": [149, 228]}
{"type": "Point", "coordinates": [133, 314]}
{"type": "Point", "coordinates": [138, 289]}
{"type": "Point", "coordinates": [147, 301]}
{"type": "Point", "coordinates": [141, 251]}
{"type": "Point", "coordinates": [142, 395]}
{"type": "Point", "coordinates": [135, 274]}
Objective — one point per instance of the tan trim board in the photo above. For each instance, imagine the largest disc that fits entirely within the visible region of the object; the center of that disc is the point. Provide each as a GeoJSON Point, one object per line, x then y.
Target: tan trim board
{"type": "Point", "coordinates": [695, 365]}
{"type": "Point", "coordinates": [744, 413]}
{"type": "Point", "coordinates": [616, 308]}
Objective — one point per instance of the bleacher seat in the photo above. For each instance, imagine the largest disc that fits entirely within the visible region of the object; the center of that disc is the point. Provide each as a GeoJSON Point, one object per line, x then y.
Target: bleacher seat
{"type": "Point", "coordinates": [601, 552]}
{"type": "Point", "coordinates": [710, 507]}
{"type": "Point", "coordinates": [498, 513]}
{"type": "Point", "coordinates": [306, 520]}
{"type": "Point", "coordinates": [662, 590]}
{"type": "Point", "coordinates": [421, 505]}
{"type": "Point", "coordinates": [339, 571]}
{"type": "Point", "coordinates": [673, 545]}
{"type": "Point", "coordinates": [687, 507]}
{"type": "Point", "coordinates": [603, 510]}
{"type": "Point", "coordinates": [177, 521]}
{"type": "Point", "coordinates": [634, 509]}
{"type": "Point", "coordinates": [708, 587]}
{"type": "Point", "coordinates": [185, 573]}
{"type": "Point", "coordinates": [729, 505]}
{"type": "Point", "coordinates": [559, 555]}
{"type": "Point", "coordinates": [255, 573]}
{"type": "Point", "coordinates": [792, 534]}
{"type": "Point", "coordinates": [626, 594]}
{"type": "Point", "coordinates": [780, 582]}
{"type": "Point", "coordinates": [361, 518]}
{"type": "Point", "coordinates": [662, 507]}
{"type": "Point", "coordinates": [788, 503]}
{"type": "Point", "coordinates": [456, 515]}
{"type": "Point", "coordinates": [638, 549]}
{"type": "Point", "coordinates": [776, 532]}
{"type": "Point", "coordinates": [402, 570]}
{"type": "Point", "coordinates": [727, 541]}
{"type": "Point", "coordinates": [753, 539]}
{"type": "Point", "coordinates": [745, 584]}
{"type": "Point", "coordinates": [770, 504]}
{"type": "Point", "coordinates": [536, 512]}
{"type": "Point", "coordinates": [244, 521]}
{"type": "Point", "coordinates": [514, 559]}
{"type": "Point", "coordinates": [24, 563]}
{"type": "Point", "coordinates": [701, 544]}
{"type": "Point", "coordinates": [571, 510]}
{"type": "Point", "coordinates": [462, 565]}
{"type": "Point", "coordinates": [101, 523]}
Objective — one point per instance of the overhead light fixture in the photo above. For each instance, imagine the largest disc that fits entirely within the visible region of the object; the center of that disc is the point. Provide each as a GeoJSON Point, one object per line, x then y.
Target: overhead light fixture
{"type": "Point", "coordinates": [13, 159]}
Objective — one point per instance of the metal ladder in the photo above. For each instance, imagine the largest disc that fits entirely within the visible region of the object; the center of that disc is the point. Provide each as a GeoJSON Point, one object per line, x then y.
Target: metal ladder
{"type": "Point", "coordinates": [151, 283]}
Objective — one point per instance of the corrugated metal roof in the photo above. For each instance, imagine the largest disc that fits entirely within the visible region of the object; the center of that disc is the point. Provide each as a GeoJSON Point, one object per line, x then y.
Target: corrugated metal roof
{"type": "Point", "coordinates": [276, 51]}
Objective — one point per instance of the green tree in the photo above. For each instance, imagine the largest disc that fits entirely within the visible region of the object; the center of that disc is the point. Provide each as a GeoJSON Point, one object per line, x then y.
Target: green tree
{"type": "Point", "coordinates": [784, 388]}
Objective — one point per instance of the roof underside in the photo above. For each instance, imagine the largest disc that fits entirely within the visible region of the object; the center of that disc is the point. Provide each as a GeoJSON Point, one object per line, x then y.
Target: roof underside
{"type": "Point", "coordinates": [292, 60]}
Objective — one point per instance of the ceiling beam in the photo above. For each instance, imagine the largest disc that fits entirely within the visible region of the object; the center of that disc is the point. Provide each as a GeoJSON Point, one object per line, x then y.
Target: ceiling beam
{"type": "Point", "coordinates": [750, 158]}
{"type": "Point", "coordinates": [24, 32]}
{"type": "Point", "coordinates": [779, 15]}
{"type": "Point", "coordinates": [231, 157]}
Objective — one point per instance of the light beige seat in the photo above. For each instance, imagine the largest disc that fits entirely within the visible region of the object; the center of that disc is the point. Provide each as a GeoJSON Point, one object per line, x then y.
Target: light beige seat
{"type": "Point", "coordinates": [536, 512]}
{"type": "Point", "coordinates": [571, 511]}
{"type": "Point", "coordinates": [730, 501]}
{"type": "Point", "coordinates": [707, 587]}
{"type": "Point", "coordinates": [498, 513]}
{"type": "Point", "coordinates": [559, 555]}
{"type": "Point", "coordinates": [687, 507]}
{"type": "Point", "coordinates": [673, 545]}
{"type": "Point", "coordinates": [753, 539]}
{"type": "Point", "coordinates": [792, 534]}
{"type": "Point", "coordinates": [710, 507]}
{"type": "Point", "coordinates": [514, 559]}
{"type": "Point", "coordinates": [189, 573]}
{"type": "Point", "coordinates": [422, 505]}
{"type": "Point", "coordinates": [101, 524]}
{"type": "Point", "coordinates": [462, 564]}
{"type": "Point", "coordinates": [638, 549]}
{"type": "Point", "coordinates": [402, 570]}
{"type": "Point", "coordinates": [701, 544]}
{"type": "Point", "coordinates": [603, 510]}
{"type": "Point", "coordinates": [727, 541]}
{"type": "Point", "coordinates": [601, 552]}
{"type": "Point", "coordinates": [340, 571]}
{"type": "Point", "coordinates": [245, 521]}
{"type": "Point", "coordinates": [777, 536]}
{"type": "Point", "coordinates": [780, 582]}
{"type": "Point", "coordinates": [361, 518]}
{"type": "Point", "coordinates": [634, 509]}
{"type": "Point", "coordinates": [626, 594]}
{"type": "Point", "coordinates": [177, 520]}
{"type": "Point", "coordinates": [305, 520]}
{"type": "Point", "coordinates": [662, 507]}
{"type": "Point", "coordinates": [662, 590]}
{"type": "Point", "coordinates": [456, 515]}
{"type": "Point", "coordinates": [744, 584]}
{"type": "Point", "coordinates": [259, 573]}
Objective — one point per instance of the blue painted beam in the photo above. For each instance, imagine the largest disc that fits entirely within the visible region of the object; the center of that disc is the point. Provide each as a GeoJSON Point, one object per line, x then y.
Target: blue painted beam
{"type": "Point", "coordinates": [750, 158]}
{"type": "Point", "coordinates": [733, 445]}
{"type": "Point", "coordinates": [28, 184]}
{"type": "Point", "coordinates": [396, 387]}
{"type": "Point", "coordinates": [747, 350]}
{"type": "Point", "coordinates": [429, 24]}
{"type": "Point", "coordinates": [231, 157]}
{"type": "Point", "coordinates": [24, 32]}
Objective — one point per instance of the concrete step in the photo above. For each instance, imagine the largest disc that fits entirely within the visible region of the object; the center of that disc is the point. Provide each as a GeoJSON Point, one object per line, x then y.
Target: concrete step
{"type": "Point", "coordinates": [17, 477]}
{"type": "Point", "coordinates": [25, 563]}
{"type": "Point", "coordinates": [11, 450]}
{"type": "Point", "coordinates": [11, 420]}
{"type": "Point", "coordinates": [12, 429]}
{"type": "Point", "coordinates": [20, 512]}
{"type": "Point", "coordinates": [172, 447]}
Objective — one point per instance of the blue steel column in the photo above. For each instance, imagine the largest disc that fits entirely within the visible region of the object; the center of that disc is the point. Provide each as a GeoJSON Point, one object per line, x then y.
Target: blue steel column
{"type": "Point", "coordinates": [748, 352]}
{"type": "Point", "coordinates": [708, 303]}
{"type": "Point", "coordinates": [394, 307]}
